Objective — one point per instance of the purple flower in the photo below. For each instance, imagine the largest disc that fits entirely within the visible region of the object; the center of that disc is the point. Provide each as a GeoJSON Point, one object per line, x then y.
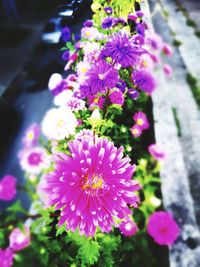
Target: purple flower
{"type": "Point", "coordinates": [138, 39]}
{"type": "Point", "coordinates": [141, 28]}
{"type": "Point", "coordinates": [93, 186]}
{"type": "Point", "coordinates": [88, 23]}
{"type": "Point", "coordinates": [117, 21]}
{"type": "Point", "coordinates": [56, 84]}
{"type": "Point", "coordinates": [163, 228]}
{"type": "Point", "coordinates": [141, 120]}
{"type": "Point", "coordinates": [136, 130]}
{"type": "Point", "coordinates": [65, 55]}
{"type": "Point", "coordinates": [77, 37]}
{"type": "Point", "coordinates": [101, 77]}
{"type": "Point", "coordinates": [133, 93]}
{"type": "Point", "coordinates": [156, 152]}
{"type": "Point", "coordinates": [6, 257]}
{"type": "Point", "coordinates": [139, 13]}
{"type": "Point", "coordinates": [144, 80]}
{"type": "Point", "coordinates": [31, 135]}
{"type": "Point", "coordinates": [66, 34]}
{"type": "Point", "coordinates": [107, 23]}
{"type": "Point", "coordinates": [117, 97]}
{"type": "Point", "coordinates": [128, 227]}
{"type": "Point", "coordinates": [19, 240]}
{"type": "Point", "coordinates": [121, 85]}
{"type": "Point", "coordinates": [108, 10]}
{"type": "Point", "coordinates": [8, 188]}
{"type": "Point", "coordinates": [122, 50]}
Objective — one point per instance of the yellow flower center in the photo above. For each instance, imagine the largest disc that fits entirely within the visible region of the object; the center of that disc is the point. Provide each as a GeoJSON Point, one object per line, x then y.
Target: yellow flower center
{"type": "Point", "coordinates": [84, 69]}
{"type": "Point", "coordinates": [30, 135]}
{"type": "Point", "coordinates": [140, 122]}
{"type": "Point", "coordinates": [87, 33]}
{"type": "Point", "coordinates": [144, 63]}
{"type": "Point", "coordinates": [135, 131]}
{"type": "Point", "coordinates": [60, 123]}
{"type": "Point", "coordinates": [95, 182]}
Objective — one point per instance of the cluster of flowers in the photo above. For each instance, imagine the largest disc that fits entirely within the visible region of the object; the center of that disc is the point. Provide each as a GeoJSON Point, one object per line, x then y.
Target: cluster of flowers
{"type": "Point", "coordinates": [80, 172]}
{"type": "Point", "coordinates": [18, 240]}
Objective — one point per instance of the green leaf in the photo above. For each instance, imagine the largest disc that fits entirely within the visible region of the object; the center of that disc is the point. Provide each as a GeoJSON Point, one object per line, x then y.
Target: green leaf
{"type": "Point", "coordinates": [60, 230]}
{"type": "Point", "coordinates": [89, 251]}
{"type": "Point", "coordinates": [17, 207]}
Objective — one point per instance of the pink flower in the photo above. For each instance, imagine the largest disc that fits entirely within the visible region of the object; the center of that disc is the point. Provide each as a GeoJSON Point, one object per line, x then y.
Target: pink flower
{"type": "Point", "coordinates": [167, 50]}
{"type": "Point", "coordinates": [156, 152]}
{"type": "Point", "coordinates": [93, 186]}
{"type": "Point", "coordinates": [167, 70]}
{"type": "Point", "coordinates": [141, 120]}
{"type": "Point", "coordinates": [128, 227]}
{"type": "Point", "coordinates": [136, 130]}
{"type": "Point", "coordinates": [163, 228]}
{"type": "Point", "coordinates": [6, 257]}
{"type": "Point", "coordinates": [8, 187]}
{"type": "Point", "coordinates": [34, 159]}
{"type": "Point", "coordinates": [19, 239]}
{"type": "Point", "coordinates": [31, 135]}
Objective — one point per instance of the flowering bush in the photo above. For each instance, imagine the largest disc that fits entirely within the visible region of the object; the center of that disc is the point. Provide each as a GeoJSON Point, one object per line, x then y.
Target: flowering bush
{"type": "Point", "coordinates": [87, 208]}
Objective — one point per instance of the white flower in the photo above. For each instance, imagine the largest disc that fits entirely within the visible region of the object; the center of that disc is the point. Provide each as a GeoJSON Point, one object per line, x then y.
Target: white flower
{"type": "Point", "coordinates": [59, 123]}
{"type": "Point", "coordinates": [54, 81]}
{"type": "Point", "coordinates": [33, 160]}
{"type": "Point", "coordinates": [90, 33]}
{"type": "Point", "coordinates": [62, 98]}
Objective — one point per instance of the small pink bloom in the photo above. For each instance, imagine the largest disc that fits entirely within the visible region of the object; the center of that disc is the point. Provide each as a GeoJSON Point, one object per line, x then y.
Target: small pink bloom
{"type": "Point", "coordinates": [31, 135]}
{"type": "Point", "coordinates": [156, 152]}
{"type": "Point", "coordinates": [141, 120]}
{"type": "Point", "coordinates": [34, 159]}
{"type": "Point", "coordinates": [163, 228]}
{"type": "Point", "coordinates": [128, 228]}
{"type": "Point", "coordinates": [136, 130]}
{"type": "Point", "coordinates": [167, 70]}
{"type": "Point", "coordinates": [19, 239]}
{"type": "Point", "coordinates": [6, 257]}
{"type": "Point", "coordinates": [8, 187]}
{"type": "Point", "coordinates": [167, 50]}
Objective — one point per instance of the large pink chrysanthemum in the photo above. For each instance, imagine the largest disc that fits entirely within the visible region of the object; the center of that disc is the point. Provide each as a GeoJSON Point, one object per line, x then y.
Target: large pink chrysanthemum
{"type": "Point", "coordinates": [93, 186]}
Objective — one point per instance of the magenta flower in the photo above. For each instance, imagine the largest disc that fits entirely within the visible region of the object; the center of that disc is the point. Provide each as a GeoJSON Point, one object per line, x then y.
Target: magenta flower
{"type": "Point", "coordinates": [102, 76]}
{"type": "Point", "coordinates": [128, 228]}
{"type": "Point", "coordinates": [31, 135]}
{"type": "Point", "coordinates": [117, 97]}
{"type": "Point", "coordinates": [156, 152]}
{"type": "Point", "coordinates": [122, 50]}
{"type": "Point", "coordinates": [136, 130]}
{"type": "Point", "coordinates": [19, 240]}
{"type": "Point", "coordinates": [6, 257]}
{"type": "Point", "coordinates": [144, 80]}
{"type": "Point", "coordinates": [8, 188]}
{"type": "Point", "coordinates": [163, 228]}
{"type": "Point", "coordinates": [93, 186]}
{"type": "Point", "coordinates": [141, 120]}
